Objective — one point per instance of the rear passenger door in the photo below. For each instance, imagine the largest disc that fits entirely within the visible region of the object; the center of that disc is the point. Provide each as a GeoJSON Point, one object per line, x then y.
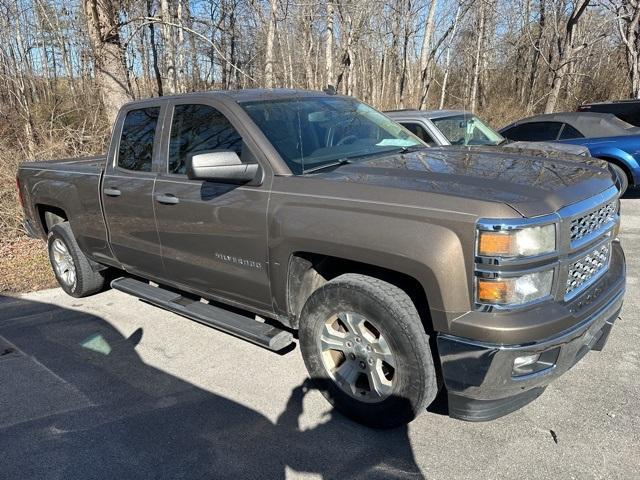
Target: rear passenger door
{"type": "Point", "coordinates": [213, 234]}
{"type": "Point", "coordinates": [127, 189]}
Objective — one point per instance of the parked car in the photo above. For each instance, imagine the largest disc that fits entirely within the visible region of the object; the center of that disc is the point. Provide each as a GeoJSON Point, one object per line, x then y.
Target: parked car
{"type": "Point", "coordinates": [461, 128]}
{"type": "Point", "coordinates": [627, 110]}
{"type": "Point", "coordinates": [605, 135]}
{"type": "Point", "coordinates": [457, 128]}
{"type": "Point", "coordinates": [405, 270]}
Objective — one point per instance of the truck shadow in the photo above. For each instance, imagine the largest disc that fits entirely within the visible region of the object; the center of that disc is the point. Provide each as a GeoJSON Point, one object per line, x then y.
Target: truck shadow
{"type": "Point", "coordinates": [77, 401]}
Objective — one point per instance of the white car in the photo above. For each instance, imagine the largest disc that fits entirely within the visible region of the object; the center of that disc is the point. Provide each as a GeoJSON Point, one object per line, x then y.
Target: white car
{"type": "Point", "coordinates": [462, 128]}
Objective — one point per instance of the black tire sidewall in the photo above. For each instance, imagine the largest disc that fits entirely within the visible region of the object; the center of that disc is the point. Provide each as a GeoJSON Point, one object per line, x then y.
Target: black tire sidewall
{"type": "Point", "coordinates": [62, 231]}
{"type": "Point", "coordinates": [414, 382]}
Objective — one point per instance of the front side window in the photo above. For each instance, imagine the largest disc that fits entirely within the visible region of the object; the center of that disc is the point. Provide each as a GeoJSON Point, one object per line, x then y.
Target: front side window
{"type": "Point", "coordinates": [198, 128]}
{"type": "Point", "coordinates": [312, 132]}
{"type": "Point", "coordinates": [467, 130]}
{"type": "Point", "coordinates": [136, 143]}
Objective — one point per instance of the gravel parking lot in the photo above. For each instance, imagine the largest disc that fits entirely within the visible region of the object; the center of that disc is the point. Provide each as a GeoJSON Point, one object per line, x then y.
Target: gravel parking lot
{"type": "Point", "coordinates": [109, 387]}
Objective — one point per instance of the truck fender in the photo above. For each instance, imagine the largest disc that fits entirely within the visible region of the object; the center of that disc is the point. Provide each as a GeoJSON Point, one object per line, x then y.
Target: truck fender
{"type": "Point", "coordinates": [437, 261]}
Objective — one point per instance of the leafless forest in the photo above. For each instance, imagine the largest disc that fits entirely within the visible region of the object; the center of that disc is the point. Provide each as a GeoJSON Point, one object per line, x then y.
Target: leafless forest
{"type": "Point", "coordinates": [66, 66]}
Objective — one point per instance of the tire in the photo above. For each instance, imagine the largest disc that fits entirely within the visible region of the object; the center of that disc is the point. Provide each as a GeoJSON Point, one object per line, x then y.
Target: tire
{"type": "Point", "coordinates": [61, 244]}
{"type": "Point", "coordinates": [383, 395]}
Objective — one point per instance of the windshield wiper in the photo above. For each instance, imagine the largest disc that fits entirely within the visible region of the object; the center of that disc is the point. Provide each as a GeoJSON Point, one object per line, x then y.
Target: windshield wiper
{"type": "Point", "coordinates": [342, 161]}
{"type": "Point", "coordinates": [412, 148]}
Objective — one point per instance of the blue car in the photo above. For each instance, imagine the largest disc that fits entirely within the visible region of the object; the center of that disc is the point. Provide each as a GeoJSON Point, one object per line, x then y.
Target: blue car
{"type": "Point", "coordinates": [605, 135]}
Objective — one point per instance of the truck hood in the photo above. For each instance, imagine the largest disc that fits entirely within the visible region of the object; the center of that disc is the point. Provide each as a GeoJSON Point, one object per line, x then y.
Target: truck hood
{"type": "Point", "coordinates": [563, 151]}
{"type": "Point", "coordinates": [531, 185]}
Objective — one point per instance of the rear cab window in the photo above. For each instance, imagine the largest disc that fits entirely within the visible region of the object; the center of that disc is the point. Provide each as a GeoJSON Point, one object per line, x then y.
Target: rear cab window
{"type": "Point", "coordinates": [135, 151]}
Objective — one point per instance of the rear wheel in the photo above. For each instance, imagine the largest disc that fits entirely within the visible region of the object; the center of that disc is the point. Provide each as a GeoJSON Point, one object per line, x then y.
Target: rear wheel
{"type": "Point", "coordinates": [365, 348]}
{"type": "Point", "coordinates": [70, 266]}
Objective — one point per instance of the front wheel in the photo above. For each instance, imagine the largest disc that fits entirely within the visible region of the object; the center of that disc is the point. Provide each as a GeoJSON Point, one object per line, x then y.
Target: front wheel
{"type": "Point", "coordinates": [365, 348]}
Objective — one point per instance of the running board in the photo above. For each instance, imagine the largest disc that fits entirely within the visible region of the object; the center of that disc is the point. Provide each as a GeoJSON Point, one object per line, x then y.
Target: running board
{"type": "Point", "coordinates": [241, 326]}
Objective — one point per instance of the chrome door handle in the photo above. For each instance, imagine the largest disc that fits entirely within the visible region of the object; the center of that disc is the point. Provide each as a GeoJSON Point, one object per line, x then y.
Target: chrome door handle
{"type": "Point", "coordinates": [167, 199]}
{"type": "Point", "coordinates": [112, 192]}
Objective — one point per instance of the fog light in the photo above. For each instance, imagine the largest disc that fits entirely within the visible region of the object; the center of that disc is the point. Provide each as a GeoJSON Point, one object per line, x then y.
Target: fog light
{"type": "Point", "coordinates": [535, 362]}
{"type": "Point", "coordinates": [525, 361]}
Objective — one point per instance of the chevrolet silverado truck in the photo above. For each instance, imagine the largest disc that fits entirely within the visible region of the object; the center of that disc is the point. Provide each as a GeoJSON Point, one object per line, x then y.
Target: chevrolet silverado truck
{"type": "Point", "coordinates": [405, 270]}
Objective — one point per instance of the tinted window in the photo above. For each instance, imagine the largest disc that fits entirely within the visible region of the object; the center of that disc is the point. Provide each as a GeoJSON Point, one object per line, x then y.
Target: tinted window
{"type": "Point", "coordinates": [198, 128]}
{"type": "Point", "coordinates": [420, 132]}
{"type": "Point", "coordinates": [136, 143]}
{"type": "Point", "coordinates": [534, 132]}
{"type": "Point", "coordinates": [569, 132]}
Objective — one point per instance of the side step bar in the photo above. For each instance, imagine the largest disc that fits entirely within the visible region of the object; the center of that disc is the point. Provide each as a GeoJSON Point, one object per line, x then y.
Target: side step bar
{"type": "Point", "coordinates": [241, 326]}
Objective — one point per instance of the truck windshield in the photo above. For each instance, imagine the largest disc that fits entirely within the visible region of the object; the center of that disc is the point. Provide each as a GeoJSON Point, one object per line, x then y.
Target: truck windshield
{"type": "Point", "coordinates": [467, 130]}
{"type": "Point", "coordinates": [311, 132]}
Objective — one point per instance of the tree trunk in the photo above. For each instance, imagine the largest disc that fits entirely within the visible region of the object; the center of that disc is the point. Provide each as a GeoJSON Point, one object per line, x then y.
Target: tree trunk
{"type": "Point", "coordinates": [154, 50]}
{"type": "Point", "coordinates": [426, 55]}
{"type": "Point", "coordinates": [628, 23]}
{"type": "Point", "coordinates": [168, 48]}
{"type": "Point", "coordinates": [447, 61]}
{"type": "Point", "coordinates": [180, 73]}
{"type": "Point", "coordinates": [566, 52]}
{"type": "Point", "coordinates": [269, 79]}
{"type": "Point", "coordinates": [328, 40]}
{"type": "Point", "coordinates": [110, 70]}
{"type": "Point", "coordinates": [477, 64]}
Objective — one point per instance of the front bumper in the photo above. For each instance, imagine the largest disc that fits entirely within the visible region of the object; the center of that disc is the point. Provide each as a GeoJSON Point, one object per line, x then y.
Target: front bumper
{"type": "Point", "coordinates": [479, 376]}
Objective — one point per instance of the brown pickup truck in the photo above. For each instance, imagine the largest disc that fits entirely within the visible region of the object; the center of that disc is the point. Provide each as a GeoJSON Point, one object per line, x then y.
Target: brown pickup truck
{"type": "Point", "coordinates": [405, 270]}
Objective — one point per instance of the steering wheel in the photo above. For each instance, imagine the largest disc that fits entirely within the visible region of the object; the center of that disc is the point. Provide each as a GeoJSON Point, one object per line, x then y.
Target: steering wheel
{"type": "Point", "coordinates": [344, 140]}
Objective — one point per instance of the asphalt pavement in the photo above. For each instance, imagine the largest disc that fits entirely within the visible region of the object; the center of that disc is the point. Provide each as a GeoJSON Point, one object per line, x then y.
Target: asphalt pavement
{"type": "Point", "coordinates": [109, 387]}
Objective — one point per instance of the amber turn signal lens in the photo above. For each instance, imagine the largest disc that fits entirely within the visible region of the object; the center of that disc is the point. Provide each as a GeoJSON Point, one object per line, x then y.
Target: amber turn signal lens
{"type": "Point", "coordinates": [495, 244]}
{"type": "Point", "coordinates": [492, 291]}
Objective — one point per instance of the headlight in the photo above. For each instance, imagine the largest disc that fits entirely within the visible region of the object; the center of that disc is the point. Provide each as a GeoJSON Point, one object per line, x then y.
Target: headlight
{"type": "Point", "coordinates": [514, 291]}
{"type": "Point", "coordinates": [524, 242]}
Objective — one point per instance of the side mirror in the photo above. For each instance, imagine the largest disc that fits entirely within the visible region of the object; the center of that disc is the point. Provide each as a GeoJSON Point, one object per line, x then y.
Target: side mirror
{"type": "Point", "coordinates": [221, 166]}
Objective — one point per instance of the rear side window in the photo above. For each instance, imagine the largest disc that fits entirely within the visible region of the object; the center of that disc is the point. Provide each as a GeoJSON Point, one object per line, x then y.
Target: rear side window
{"type": "Point", "coordinates": [568, 132]}
{"type": "Point", "coordinates": [199, 128]}
{"type": "Point", "coordinates": [136, 143]}
{"type": "Point", "coordinates": [420, 132]}
{"type": "Point", "coordinates": [534, 132]}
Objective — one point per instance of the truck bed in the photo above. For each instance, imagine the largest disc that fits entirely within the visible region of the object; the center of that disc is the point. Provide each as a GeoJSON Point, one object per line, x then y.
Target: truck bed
{"type": "Point", "coordinates": [70, 188]}
{"type": "Point", "coordinates": [93, 164]}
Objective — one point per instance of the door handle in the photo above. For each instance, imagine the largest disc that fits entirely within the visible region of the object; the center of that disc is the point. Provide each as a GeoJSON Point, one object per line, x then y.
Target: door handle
{"type": "Point", "coordinates": [167, 199]}
{"type": "Point", "coordinates": [112, 192]}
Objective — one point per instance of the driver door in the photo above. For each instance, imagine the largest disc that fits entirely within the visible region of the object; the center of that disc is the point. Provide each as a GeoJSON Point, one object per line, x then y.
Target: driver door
{"type": "Point", "coordinates": [213, 235]}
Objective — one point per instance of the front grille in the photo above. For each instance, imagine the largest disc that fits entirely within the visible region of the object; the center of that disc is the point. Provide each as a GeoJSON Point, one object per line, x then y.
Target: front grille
{"type": "Point", "coordinates": [593, 221]}
{"type": "Point", "coordinates": [587, 269]}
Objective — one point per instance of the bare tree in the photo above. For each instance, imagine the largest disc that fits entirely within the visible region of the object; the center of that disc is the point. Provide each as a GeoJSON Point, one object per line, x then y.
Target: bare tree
{"type": "Point", "coordinates": [111, 74]}
{"type": "Point", "coordinates": [628, 13]}
{"type": "Point", "coordinates": [269, 78]}
{"type": "Point", "coordinates": [567, 48]}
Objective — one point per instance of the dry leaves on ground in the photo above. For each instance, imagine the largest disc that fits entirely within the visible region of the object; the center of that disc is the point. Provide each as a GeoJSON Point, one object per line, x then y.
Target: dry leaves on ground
{"type": "Point", "coordinates": [24, 265]}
